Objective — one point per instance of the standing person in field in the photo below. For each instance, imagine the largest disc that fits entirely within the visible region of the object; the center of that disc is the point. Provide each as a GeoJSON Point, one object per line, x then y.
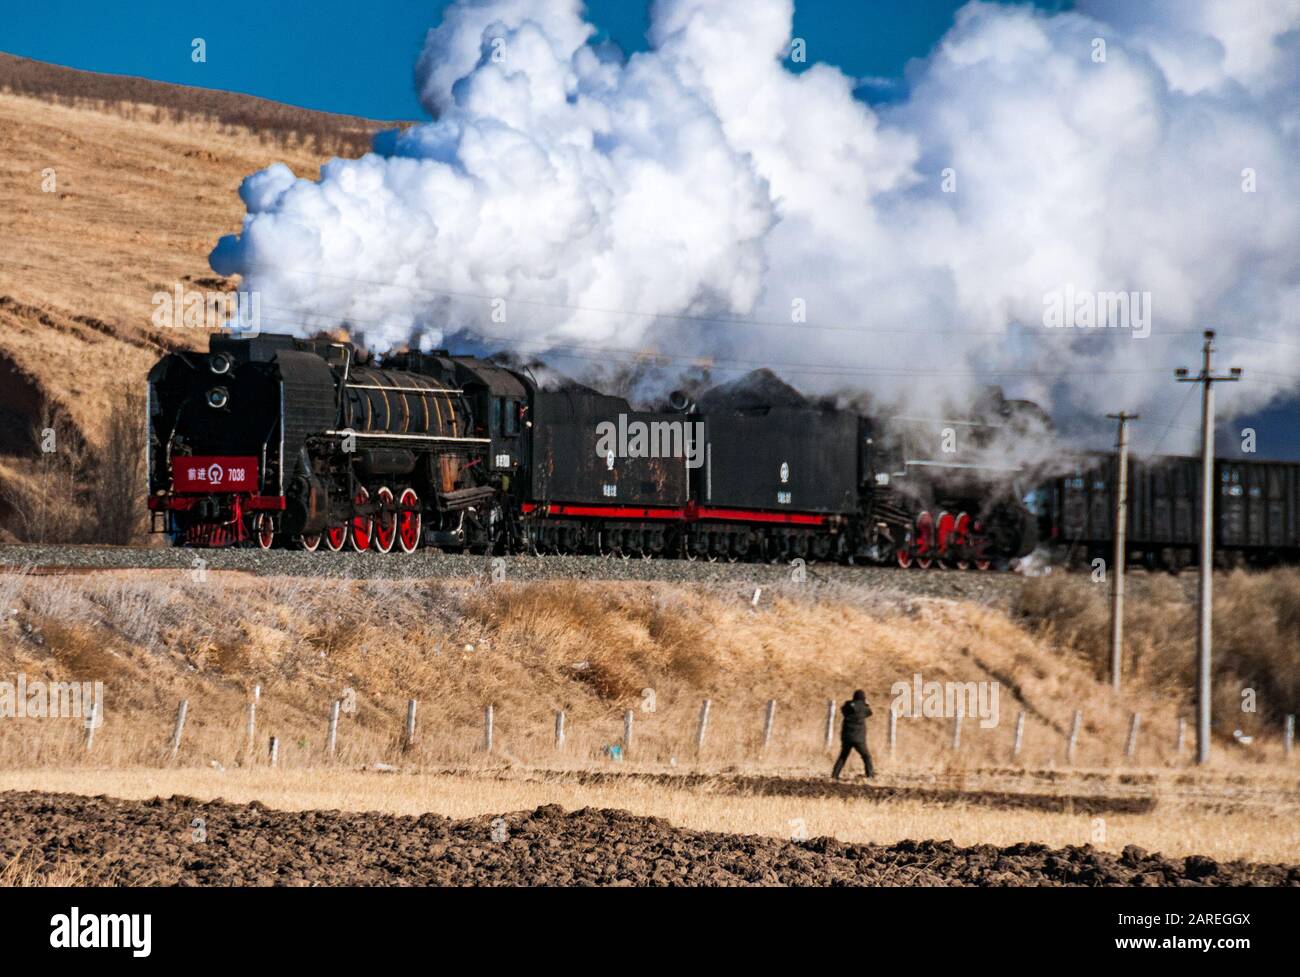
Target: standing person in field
{"type": "Point", "coordinates": [853, 733]}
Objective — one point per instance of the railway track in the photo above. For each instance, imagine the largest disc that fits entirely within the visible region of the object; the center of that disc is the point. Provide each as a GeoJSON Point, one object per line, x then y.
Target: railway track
{"type": "Point", "coordinates": [993, 588]}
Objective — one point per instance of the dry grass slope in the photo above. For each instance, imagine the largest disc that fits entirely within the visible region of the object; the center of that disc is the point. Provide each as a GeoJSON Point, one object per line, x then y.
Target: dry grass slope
{"type": "Point", "coordinates": [1256, 639]}
{"type": "Point", "coordinates": [146, 179]}
{"type": "Point", "coordinates": [270, 121]}
{"type": "Point", "coordinates": [596, 650]}
{"type": "Point", "coordinates": [593, 650]}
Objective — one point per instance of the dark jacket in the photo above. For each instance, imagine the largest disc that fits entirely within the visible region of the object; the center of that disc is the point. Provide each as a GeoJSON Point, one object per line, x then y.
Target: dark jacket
{"type": "Point", "coordinates": [854, 727]}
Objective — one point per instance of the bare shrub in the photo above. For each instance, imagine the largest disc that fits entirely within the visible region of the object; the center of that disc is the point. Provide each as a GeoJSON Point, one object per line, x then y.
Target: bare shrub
{"type": "Point", "coordinates": [42, 502]}
{"type": "Point", "coordinates": [67, 493]}
{"type": "Point", "coordinates": [1256, 636]}
{"type": "Point", "coordinates": [117, 495]}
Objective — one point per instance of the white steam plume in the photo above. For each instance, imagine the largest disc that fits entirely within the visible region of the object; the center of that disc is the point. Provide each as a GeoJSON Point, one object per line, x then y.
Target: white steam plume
{"type": "Point", "coordinates": [603, 205]}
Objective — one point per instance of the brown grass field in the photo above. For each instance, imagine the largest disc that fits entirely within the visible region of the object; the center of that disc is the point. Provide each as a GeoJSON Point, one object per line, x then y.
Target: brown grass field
{"type": "Point", "coordinates": [596, 650]}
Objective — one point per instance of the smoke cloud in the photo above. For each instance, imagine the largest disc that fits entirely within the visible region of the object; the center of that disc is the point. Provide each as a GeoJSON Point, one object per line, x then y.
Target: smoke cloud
{"type": "Point", "coordinates": [702, 201]}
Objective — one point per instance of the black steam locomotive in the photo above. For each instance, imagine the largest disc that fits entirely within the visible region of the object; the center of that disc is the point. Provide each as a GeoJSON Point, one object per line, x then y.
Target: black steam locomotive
{"type": "Point", "coordinates": [279, 441]}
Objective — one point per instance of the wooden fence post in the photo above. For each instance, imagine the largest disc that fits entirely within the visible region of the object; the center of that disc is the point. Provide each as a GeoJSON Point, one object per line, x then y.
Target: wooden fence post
{"type": "Point", "coordinates": [1020, 736]}
{"type": "Point", "coordinates": [1131, 746]}
{"type": "Point", "coordinates": [1288, 735]}
{"type": "Point", "coordinates": [1074, 736]}
{"type": "Point", "coordinates": [769, 720]}
{"type": "Point", "coordinates": [559, 729]}
{"type": "Point", "coordinates": [95, 720]}
{"type": "Point", "coordinates": [1182, 735]}
{"type": "Point", "coordinates": [703, 726]}
{"type": "Point", "coordinates": [627, 732]}
{"type": "Point", "coordinates": [956, 731]}
{"type": "Point", "coordinates": [893, 729]}
{"type": "Point", "coordinates": [331, 739]}
{"type": "Point", "coordinates": [410, 724]}
{"type": "Point", "coordinates": [180, 727]}
{"type": "Point", "coordinates": [830, 724]}
{"type": "Point", "coordinates": [275, 750]}
{"type": "Point", "coordinates": [487, 727]}
{"type": "Point", "coordinates": [252, 719]}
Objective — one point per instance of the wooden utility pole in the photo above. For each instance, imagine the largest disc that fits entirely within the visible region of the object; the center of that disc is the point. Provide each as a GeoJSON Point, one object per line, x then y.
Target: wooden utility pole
{"type": "Point", "coordinates": [1121, 548]}
{"type": "Point", "coordinates": [1205, 601]}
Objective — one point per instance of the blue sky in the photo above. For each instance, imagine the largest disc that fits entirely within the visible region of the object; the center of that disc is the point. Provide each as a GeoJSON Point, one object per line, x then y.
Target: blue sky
{"type": "Point", "coordinates": [358, 58]}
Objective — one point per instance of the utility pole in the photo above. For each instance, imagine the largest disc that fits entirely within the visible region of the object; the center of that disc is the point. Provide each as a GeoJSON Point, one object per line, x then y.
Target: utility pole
{"type": "Point", "coordinates": [1121, 548]}
{"type": "Point", "coordinates": [1205, 601]}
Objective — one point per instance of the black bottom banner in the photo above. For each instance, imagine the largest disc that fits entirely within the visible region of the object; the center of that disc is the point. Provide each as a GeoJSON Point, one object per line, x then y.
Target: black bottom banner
{"type": "Point", "coordinates": [933, 927]}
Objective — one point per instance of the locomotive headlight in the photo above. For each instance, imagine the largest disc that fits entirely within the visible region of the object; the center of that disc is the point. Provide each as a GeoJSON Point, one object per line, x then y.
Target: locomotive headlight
{"type": "Point", "coordinates": [220, 363]}
{"type": "Point", "coordinates": [218, 397]}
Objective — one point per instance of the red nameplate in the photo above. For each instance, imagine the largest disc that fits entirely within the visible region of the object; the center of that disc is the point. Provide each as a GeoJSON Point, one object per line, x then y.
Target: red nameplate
{"type": "Point", "coordinates": [199, 473]}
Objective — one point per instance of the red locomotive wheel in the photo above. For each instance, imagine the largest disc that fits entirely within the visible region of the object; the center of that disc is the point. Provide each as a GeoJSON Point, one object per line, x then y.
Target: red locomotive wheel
{"type": "Point", "coordinates": [903, 552]}
{"type": "Point", "coordinates": [961, 541]}
{"type": "Point", "coordinates": [409, 521]}
{"type": "Point", "coordinates": [924, 540]}
{"type": "Point", "coordinates": [361, 526]}
{"type": "Point", "coordinates": [309, 542]}
{"type": "Point", "coordinates": [384, 526]}
{"type": "Point", "coordinates": [264, 530]}
{"type": "Point", "coordinates": [943, 532]}
{"type": "Point", "coordinates": [336, 537]}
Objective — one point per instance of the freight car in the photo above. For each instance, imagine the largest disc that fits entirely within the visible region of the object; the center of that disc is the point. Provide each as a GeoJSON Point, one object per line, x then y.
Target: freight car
{"type": "Point", "coordinates": [278, 441]}
{"type": "Point", "coordinates": [1256, 513]}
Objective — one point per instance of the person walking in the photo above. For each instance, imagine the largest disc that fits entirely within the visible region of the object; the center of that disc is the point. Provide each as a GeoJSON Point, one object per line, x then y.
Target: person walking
{"type": "Point", "coordinates": [853, 733]}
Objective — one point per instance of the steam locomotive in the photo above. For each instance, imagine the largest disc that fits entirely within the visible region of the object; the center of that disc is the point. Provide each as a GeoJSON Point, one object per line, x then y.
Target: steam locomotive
{"type": "Point", "coordinates": [279, 441]}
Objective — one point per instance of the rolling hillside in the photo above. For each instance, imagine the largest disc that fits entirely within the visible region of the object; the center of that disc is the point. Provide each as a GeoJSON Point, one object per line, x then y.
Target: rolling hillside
{"type": "Point", "coordinates": [144, 180]}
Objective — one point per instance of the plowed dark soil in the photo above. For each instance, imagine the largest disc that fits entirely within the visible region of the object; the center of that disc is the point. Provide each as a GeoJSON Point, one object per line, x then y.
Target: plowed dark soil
{"type": "Point", "coordinates": [180, 841]}
{"type": "Point", "coordinates": [857, 789]}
